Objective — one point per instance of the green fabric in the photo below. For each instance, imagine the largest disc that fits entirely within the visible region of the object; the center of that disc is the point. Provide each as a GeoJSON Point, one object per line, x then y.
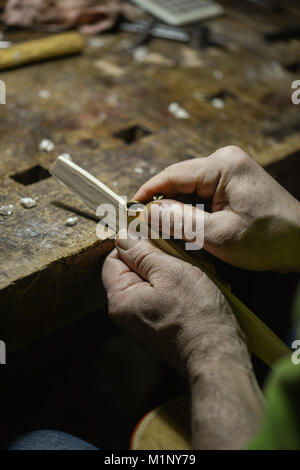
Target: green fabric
{"type": "Point", "coordinates": [281, 426]}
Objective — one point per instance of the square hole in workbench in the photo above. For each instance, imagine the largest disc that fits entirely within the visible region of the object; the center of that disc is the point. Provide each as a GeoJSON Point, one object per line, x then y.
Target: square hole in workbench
{"type": "Point", "coordinates": [132, 134]}
{"type": "Point", "coordinates": [293, 67]}
{"type": "Point", "coordinates": [283, 34]}
{"type": "Point", "coordinates": [32, 175]}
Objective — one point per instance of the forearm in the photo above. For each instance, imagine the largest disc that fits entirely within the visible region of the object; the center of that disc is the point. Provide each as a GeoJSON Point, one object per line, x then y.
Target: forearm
{"type": "Point", "coordinates": [227, 404]}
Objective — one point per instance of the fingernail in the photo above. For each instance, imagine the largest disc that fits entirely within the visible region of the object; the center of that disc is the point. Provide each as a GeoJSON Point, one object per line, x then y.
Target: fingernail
{"type": "Point", "coordinates": [125, 240]}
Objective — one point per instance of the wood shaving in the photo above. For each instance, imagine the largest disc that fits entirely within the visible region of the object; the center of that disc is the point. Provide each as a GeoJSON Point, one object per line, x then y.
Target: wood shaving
{"type": "Point", "coordinates": [46, 145]}
{"type": "Point", "coordinates": [28, 202]}
{"type": "Point", "coordinates": [72, 221]}
{"type": "Point", "coordinates": [7, 210]}
{"type": "Point", "coordinates": [177, 111]}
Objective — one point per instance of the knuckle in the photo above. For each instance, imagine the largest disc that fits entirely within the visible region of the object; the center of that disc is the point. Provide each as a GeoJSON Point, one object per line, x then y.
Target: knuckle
{"type": "Point", "coordinates": [232, 150]}
{"type": "Point", "coordinates": [144, 259]}
{"type": "Point", "coordinates": [235, 160]}
{"type": "Point", "coordinates": [237, 156]}
{"type": "Point", "coordinates": [233, 154]}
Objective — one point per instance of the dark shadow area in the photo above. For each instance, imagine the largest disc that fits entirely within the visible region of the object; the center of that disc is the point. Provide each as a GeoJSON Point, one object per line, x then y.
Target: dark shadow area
{"type": "Point", "coordinates": [132, 134]}
{"type": "Point", "coordinates": [285, 34]}
{"type": "Point", "coordinates": [31, 176]}
{"type": "Point", "coordinates": [74, 210]}
{"type": "Point", "coordinates": [293, 67]}
{"type": "Point", "coordinates": [88, 379]}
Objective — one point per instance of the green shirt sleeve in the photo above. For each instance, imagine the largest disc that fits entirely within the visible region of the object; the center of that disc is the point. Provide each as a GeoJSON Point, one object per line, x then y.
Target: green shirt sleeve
{"type": "Point", "coordinates": [281, 426]}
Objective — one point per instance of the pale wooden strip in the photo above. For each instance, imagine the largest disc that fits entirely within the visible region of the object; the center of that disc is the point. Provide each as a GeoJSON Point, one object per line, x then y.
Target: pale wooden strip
{"type": "Point", "coordinates": [84, 185]}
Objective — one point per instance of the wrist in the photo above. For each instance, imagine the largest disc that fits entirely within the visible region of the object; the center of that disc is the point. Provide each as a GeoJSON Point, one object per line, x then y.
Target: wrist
{"type": "Point", "coordinates": [211, 351]}
{"type": "Point", "coordinates": [227, 405]}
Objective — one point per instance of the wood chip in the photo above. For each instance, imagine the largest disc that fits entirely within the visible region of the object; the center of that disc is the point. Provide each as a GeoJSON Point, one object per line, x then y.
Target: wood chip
{"type": "Point", "coordinates": [7, 210]}
{"type": "Point", "coordinates": [72, 221]}
{"type": "Point", "coordinates": [28, 202]}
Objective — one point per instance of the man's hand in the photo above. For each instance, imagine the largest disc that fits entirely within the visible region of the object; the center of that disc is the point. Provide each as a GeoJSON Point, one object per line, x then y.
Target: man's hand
{"type": "Point", "coordinates": [170, 305]}
{"type": "Point", "coordinates": [178, 312]}
{"type": "Point", "coordinates": [255, 222]}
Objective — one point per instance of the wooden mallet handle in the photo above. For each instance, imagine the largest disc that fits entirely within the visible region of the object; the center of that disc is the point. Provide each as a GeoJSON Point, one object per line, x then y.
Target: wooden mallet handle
{"type": "Point", "coordinates": [41, 49]}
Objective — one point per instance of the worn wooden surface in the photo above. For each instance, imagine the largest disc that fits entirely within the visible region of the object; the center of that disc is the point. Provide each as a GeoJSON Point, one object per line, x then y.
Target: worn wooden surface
{"type": "Point", "coordinates": [50, 273]}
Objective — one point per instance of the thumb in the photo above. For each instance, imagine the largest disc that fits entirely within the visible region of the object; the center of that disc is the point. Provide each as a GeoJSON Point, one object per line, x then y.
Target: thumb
{"type": "Point", "coordinates": [192, 224]}
{"type": "Point", "coordinates": [142, 256]}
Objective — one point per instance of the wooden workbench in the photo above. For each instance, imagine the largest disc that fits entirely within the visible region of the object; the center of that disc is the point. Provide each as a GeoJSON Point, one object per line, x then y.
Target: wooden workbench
{"type": "Point", "coordinates": [109, 111]}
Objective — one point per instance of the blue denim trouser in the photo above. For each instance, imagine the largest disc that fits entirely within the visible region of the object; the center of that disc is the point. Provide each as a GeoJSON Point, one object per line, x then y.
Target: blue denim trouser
{"type": "Point", "coordinates": [49, 440]}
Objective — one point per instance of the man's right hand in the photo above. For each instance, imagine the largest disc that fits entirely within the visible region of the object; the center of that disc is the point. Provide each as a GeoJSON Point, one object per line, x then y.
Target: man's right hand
{"type": "Point", "coordinates": [255, 222]}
